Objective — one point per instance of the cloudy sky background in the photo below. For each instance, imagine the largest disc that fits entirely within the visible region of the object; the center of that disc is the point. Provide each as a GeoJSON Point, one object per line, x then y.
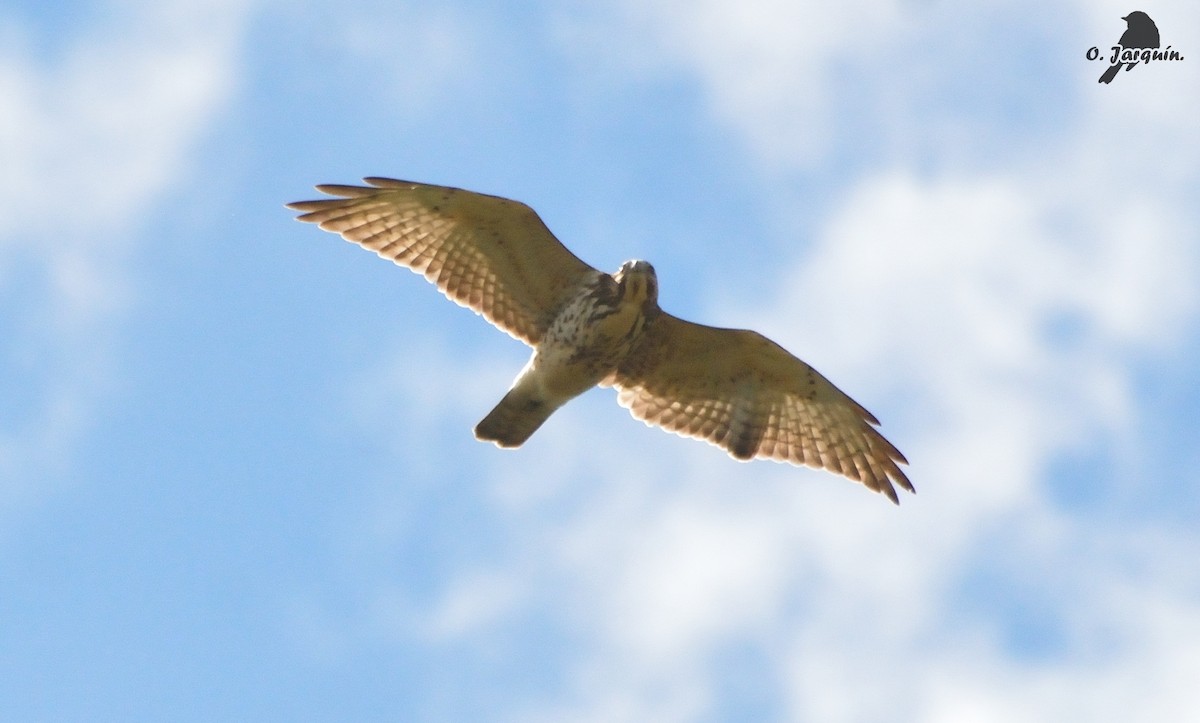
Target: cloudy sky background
{"type": "Point", "coordinates": [237, 477]}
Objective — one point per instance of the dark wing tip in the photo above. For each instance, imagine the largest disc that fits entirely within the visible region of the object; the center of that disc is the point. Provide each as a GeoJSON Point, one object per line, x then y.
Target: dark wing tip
{"type": "Point", "coordinates": [899, 478]}
{"type": "Point", "coordinates": [890, 491]}
{"type": "Point", "coordinates": [890, 473]}
{"type": "Point", "coordinates": [305, 206]}
{"type": "Point", "coordinates": [344, 191]}
{"type": "Point", "coordinates": [384, 182]}
{"type": "Point", "coordinates": [315, 211]}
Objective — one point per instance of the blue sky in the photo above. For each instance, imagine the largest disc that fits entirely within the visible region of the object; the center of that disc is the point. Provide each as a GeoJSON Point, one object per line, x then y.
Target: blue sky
{"type": "Point", "coordinates": [237, 475]}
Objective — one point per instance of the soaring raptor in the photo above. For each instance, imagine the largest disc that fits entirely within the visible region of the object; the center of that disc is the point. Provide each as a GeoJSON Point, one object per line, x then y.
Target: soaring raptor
{"type": "Point", "coordinates": [735, 389]}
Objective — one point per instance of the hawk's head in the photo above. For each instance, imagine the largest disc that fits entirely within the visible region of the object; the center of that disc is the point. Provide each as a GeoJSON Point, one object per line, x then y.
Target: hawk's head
{"type": "Point", "coordinates": [638, 282]}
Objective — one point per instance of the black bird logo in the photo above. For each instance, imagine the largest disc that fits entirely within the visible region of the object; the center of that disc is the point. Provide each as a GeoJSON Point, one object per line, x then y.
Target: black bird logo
{"type": "Point", "coordinates": [1142, 33]}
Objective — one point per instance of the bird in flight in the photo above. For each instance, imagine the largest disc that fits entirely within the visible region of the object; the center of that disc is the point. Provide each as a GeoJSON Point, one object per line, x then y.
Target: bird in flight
{"type": "Point", "coordinates": [732, 388]}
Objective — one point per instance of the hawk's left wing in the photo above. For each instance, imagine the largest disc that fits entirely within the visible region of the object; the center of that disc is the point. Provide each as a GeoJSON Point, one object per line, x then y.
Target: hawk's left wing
{"type": "Point", "coordinates": [743, 392]}
{"type": "Point", "coordinates": [487, 253]}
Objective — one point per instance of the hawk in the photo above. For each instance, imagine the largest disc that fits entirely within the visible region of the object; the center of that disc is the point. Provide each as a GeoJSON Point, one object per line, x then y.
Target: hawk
{"type": "Point", "coordinates": [733, 388]}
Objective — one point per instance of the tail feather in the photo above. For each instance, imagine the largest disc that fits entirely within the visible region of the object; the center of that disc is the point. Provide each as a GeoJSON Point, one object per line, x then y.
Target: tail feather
{"type": "Point", "coordinates": [515, 419]}
{"type": "Point", "coordinates": [1111, 73]}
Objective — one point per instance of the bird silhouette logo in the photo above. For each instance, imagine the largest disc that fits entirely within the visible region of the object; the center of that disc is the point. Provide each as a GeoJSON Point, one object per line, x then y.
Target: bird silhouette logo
{"type": "Point", "coordinates": [1139, 44]}
{"type": "Point", "coordinates": [1141, 33]}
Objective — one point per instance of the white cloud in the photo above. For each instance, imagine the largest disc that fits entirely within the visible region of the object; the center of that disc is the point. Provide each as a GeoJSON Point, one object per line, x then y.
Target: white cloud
{"type": "Point", "coordinates": [744, 54]}
{"type": "Point", "coordinates": [954, 287]}
{"type": "Point", "coordinates": [473, 602]}
{"type": "Point", "coordinates": [91, 135]}
{"type": "Point", "coordinates": [409, 59]}
{"type": "Point", "coordinates": [96, 131]}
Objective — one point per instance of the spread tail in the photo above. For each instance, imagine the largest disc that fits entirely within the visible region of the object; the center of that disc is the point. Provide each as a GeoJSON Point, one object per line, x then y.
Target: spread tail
{"type": "Point", "coordinates": [515, 419]}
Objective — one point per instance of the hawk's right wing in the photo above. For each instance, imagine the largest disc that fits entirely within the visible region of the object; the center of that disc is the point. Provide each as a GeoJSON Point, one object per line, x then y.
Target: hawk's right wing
{"type": "Point", "coordinates": [743, 392]}
{"type": "Point", "coordinates": [487, 253]}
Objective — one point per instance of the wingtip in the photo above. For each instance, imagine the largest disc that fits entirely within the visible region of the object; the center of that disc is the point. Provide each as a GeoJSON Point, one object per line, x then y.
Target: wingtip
{"type": "Point", "coordinates": [385, 182]}
{"type": "Point", "coordinates": [890, 491]}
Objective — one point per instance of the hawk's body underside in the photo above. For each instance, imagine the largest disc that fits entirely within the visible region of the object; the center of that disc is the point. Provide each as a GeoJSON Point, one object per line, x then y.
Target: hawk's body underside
{"type": "Point", "coordinates": [733, 388]}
